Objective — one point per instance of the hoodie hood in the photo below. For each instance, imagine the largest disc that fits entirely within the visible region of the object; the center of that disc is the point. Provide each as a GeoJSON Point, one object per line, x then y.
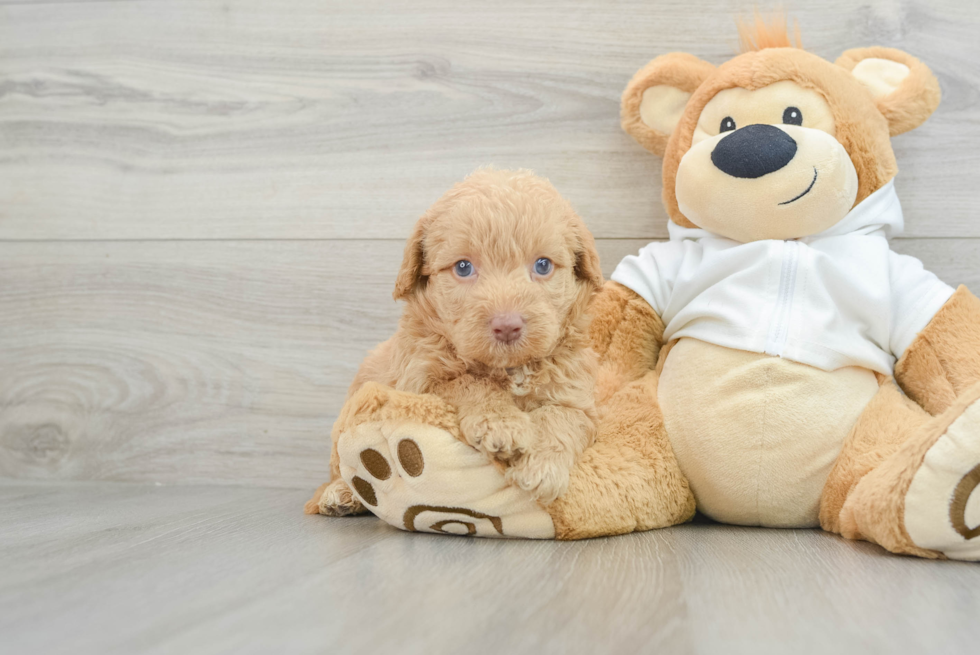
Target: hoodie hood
{"type": "Point", "coordinates": [880, 214]}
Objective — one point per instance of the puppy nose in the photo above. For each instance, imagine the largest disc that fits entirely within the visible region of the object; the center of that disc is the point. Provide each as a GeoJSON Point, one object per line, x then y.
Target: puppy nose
{"type": "Point", "coordinates": [754, 151]}
{"type": "Point", "coordinates": [507, 328]}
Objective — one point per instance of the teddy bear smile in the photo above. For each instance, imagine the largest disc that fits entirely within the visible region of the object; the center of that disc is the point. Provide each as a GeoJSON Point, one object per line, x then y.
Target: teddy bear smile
{"type": "Point", "coordinates": [812, 182]}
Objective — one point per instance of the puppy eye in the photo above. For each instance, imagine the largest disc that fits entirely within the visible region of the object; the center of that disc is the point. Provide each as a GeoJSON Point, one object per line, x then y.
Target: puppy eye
{"type": "Point", "coordinates": [727, 124]}
{"type": "Point", "coordinates": [543, 266]}
{"type": "Point", "coordinates": [463, 268]}
{"type": "Point", "coordinates": [792, 116]}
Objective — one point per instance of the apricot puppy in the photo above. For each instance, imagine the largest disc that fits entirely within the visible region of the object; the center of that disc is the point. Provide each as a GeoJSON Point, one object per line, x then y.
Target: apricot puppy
{"type": "Point", "coordinates": [497, 276]}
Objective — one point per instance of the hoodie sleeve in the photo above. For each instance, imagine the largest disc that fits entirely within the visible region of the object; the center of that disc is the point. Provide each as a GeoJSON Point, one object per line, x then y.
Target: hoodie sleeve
{"type": "Point", "coordinates": [917, 294]}
{"type": "Point", "coordinates": [652, 272]}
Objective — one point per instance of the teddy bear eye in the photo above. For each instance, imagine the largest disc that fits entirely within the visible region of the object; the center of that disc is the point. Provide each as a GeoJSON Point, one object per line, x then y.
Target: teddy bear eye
{"type": "Point", "coordinates": [792, 116]}
{"type": "Point", "coordinates": [543, 266]}
{"type": "Point", "coordinates": [463, 268]}
{"type": "Point", "coordinates": [727, 124]}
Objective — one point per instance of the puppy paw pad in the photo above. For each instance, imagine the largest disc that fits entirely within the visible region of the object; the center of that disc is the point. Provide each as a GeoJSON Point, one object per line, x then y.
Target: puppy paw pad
{"type": "Point", "coordinates": [338, 500]}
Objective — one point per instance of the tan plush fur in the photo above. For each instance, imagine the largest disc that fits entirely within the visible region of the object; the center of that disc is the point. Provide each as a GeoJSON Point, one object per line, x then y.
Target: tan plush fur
{"type": "Point", "coordinates": [880, 431]}
{"type": "Point", "coordinates": [944, 359]}
{"type": "Point", "coordinates": [916, 98]}
{"type": "Point", "coordinates": [940, 373]}
{"type": "Point", "coordinates": [528, 404]}
{"type": "Point", "coordinates": [678, 69]}
{"type": "Point", "coordinates": [629, 479]}
{"type": "Point", "coordinates": [626, 334]}
{"type": "Point", "coordinates": [875, 508]}
{"type": "Point", "coordinates": [864, 498]}
{"type": "Point", "coordinates": [759, 34]}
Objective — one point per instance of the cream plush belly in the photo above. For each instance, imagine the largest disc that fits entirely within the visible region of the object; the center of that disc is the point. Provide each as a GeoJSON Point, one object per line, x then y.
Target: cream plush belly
{"type": "Point", "coordinates": [756, 435]}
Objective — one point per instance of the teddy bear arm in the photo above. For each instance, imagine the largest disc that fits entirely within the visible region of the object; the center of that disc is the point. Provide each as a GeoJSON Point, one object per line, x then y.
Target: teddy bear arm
{"type": "Point", "coordinates": [944, 358]}
{"type": "Point", "coordinates": [627, 334]}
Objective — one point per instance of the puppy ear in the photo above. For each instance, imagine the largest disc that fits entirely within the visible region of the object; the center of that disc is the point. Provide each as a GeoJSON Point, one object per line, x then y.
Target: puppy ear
{"type": "Point", "coordinates": [655, 98]}
{"type": "Point", "coordinates": [410, 277]}
{"type": "Point", "coordinates": [904, 89]}
{"type": "Point", "coordinates": [587, 266]}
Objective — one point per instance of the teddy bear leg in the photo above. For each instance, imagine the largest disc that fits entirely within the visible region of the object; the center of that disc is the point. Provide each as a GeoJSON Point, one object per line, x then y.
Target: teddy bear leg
{"type": "Point", "coordinates": [888, 422]}
{"type": "Point", "coordinates": [941, 371]}
{"type": "Point", "coordinates": [906, 477]}
{"type": "Point", "coordinates": [919, 500]}
{"type": "Point", "coordinates": [401, 456]}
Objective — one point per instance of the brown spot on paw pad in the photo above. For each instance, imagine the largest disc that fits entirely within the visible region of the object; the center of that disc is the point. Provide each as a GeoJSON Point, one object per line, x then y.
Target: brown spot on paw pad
{"type": "Point", "coordinates": [410, 457]}
{"type": "Point", "coordinates": [376, 464]}
{"type": "Point", "coordinates": [957, 509]}
{"type": "Point", "coordinates": [365, 491]}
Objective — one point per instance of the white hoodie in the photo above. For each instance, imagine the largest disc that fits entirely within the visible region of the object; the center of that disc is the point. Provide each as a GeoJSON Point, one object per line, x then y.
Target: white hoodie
{"type": "Point", "coordinates": [837, 298]}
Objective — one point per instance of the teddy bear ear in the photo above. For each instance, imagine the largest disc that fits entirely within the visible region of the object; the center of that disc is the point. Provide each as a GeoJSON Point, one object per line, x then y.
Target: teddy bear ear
{"type": "Point", "coordinates": [904, 89]}
{"type": "Point", "coordinates": [655, 98]}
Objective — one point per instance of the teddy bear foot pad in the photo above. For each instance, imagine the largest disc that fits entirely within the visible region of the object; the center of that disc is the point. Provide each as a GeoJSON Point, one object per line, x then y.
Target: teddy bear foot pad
{"type": "Point", "coordinates": [420, 478]}
{"type": "Point", "coordinates": [942, 505]}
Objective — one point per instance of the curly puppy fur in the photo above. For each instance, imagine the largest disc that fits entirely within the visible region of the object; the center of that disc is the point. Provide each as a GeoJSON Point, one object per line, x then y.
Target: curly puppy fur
{"type": "Point", "coordinates": [528, 405]}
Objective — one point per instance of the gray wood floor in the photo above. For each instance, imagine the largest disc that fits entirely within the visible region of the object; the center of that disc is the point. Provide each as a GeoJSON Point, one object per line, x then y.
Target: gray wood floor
{"type": "Point", "coordinates": [119, 568]}
{"type": "Point", "coordinates": [202, 208]}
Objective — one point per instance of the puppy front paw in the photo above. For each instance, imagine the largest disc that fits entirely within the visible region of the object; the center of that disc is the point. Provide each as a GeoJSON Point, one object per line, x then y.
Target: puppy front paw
{"type": "Point", "coordinates": [544, 475]}
{"type": "Point", "coordinates": [339, 500]}
{"type": "Point", "coordinates": [502, 437]}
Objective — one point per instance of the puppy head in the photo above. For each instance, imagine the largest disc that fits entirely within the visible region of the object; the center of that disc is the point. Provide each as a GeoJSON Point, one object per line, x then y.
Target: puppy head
{"type": "Point", "coordinates": [501, 266]}
{"type": "Point", "coordinates": [776, 143]}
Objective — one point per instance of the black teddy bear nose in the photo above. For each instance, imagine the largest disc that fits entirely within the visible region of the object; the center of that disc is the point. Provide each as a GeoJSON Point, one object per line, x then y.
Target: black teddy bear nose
{"type": "Point", "coordinates": [754, 151]}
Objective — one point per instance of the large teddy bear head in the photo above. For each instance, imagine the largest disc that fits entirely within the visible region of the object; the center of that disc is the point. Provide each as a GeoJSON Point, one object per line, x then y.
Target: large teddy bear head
{"type": "Point", "coordinates": [776, 143]}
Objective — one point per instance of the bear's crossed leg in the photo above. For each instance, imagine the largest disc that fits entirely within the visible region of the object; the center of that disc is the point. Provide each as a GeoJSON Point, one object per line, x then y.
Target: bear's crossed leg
{"type": "Point", "coordinates": [420, 477]}
{"type": "Point", "coordinates": [908, 477]}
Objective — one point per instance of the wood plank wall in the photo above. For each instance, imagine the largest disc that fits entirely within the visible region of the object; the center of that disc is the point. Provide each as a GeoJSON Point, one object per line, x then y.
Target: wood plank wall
{"type": "Point", "coordinates": [202, 203]}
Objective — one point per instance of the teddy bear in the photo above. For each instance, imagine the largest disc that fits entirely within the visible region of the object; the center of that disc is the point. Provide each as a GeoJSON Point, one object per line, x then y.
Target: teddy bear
{"type": "Point", "coordinates": [774, 363]}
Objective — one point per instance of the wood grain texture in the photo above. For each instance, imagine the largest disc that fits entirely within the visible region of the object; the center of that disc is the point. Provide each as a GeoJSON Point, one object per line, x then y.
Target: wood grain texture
{"type": "Point", "coordinates": [208, 361]}
{"type": "Point", "coordinates": [105, 568]}
{"type": "Point", "coordinates": [331, 119]}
